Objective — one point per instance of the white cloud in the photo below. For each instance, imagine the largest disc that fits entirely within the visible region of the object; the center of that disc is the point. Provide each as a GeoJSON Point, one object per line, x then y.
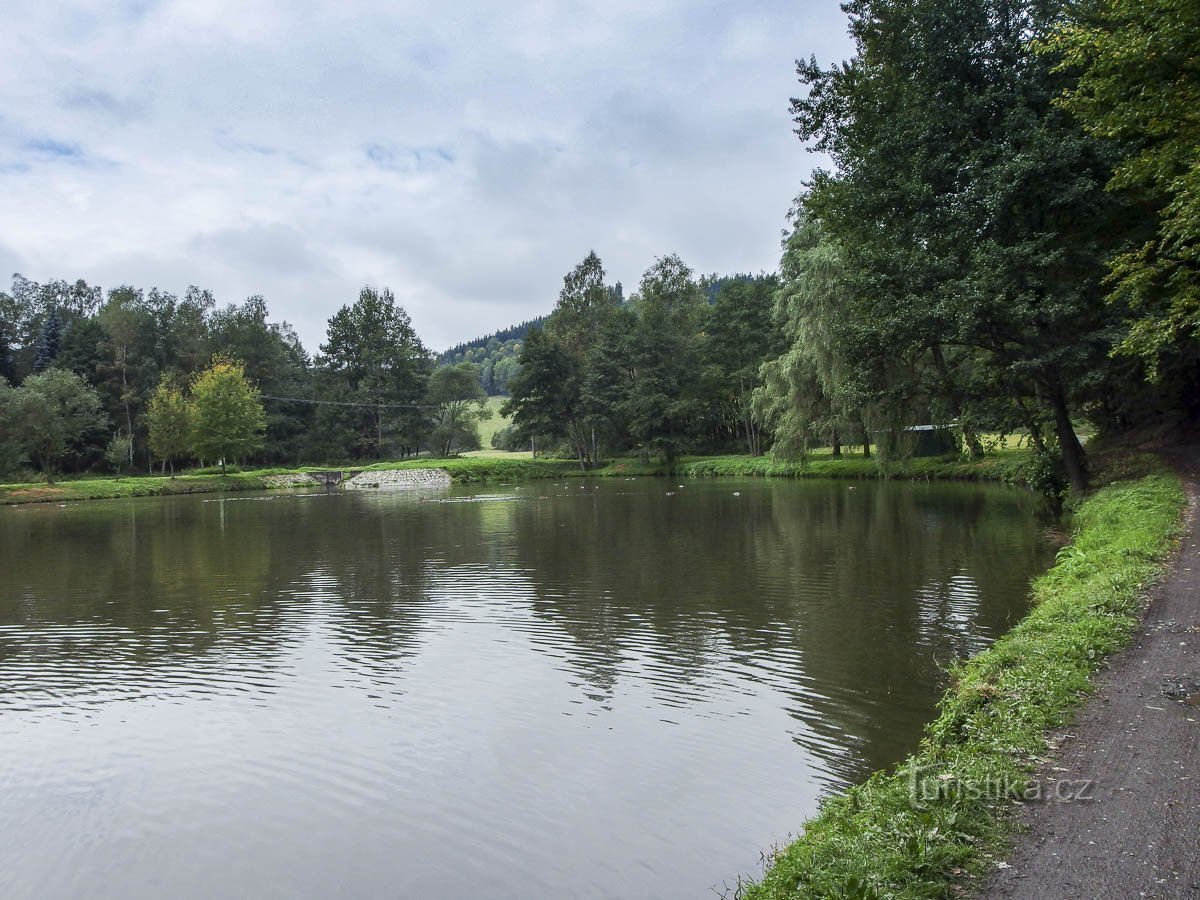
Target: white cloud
{"type": "Point", "coordinates": [465, 157]}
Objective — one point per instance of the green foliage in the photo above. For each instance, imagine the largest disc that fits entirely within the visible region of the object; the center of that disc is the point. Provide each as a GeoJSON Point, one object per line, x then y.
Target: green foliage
{"type": "Point", "coordinates": [739, 335]}
{"type": "Point", "coordinates": [49, 339]}
{"type": "Point", "coordinates": [274, 360]}
{"type": "Point", "coordinates": [546, 389]}
{"type": "Point", "coordinates": [508, 439]}
{"type": "Point", "coordinates": [12, 452]}
{"type": "Point", "coordinates": [118, 453]}
{"type": "Point", "coordinates": [915, 831]}
{"type": "Point", "coordinates": [662, 402]}
{"type": "Point", "coordinates": [969, 218]}
{"type": "Point", "coordinates": [50, 414]}
{"type": "Point", "coordinates": [497, 355]}
{"type": "Point", "coordinates": [813, 392]}
{"type": "Point", "coordinates": [227, 416]}
{"type": "Point", "coordinates": [458, 403]}
{"type": "Point", "coordinates": [169, 420]}
{"type": "Point", "coordinates": [373, 357]}
{"type": "Point", "coordinates": [559, 391]}
{"type": "Point", "coordinates": [1139, 87]}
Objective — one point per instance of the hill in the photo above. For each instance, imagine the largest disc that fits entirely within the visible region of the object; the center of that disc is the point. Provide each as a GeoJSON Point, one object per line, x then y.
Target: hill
{"type": "Point", "coordinates": [495, 354]}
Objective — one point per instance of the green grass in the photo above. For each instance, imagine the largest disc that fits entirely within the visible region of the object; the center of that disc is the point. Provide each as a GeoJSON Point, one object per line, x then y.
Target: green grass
{"type": "Point", "coordinates": [874, 841]}
{"type": "Point", "coordinates": [1002, 465]}
{"type": "Point", "coordinates": [139, 486]}
{"type": "Point", "coordinates": [507, 467]}
{"type": "Point", "coordinates": [489, 427]}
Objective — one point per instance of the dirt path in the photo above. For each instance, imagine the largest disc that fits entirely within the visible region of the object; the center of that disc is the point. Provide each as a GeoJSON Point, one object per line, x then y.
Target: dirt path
{"type": "Point", "coordinates": [1138, 743]}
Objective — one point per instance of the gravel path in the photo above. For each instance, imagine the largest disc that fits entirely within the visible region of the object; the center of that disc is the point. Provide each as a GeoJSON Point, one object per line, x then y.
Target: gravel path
{"type": "Point", "coordinates": [1136, 831]}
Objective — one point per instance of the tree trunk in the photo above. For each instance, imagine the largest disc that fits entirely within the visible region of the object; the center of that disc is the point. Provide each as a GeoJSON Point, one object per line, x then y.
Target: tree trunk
{"type": "Point", "coordinates": [1035, 437]}
{"type": "Point", "coordinates": [971, 439]}
{"type": "Point", "coordinates": [837, 443]}
{"type": "Point", "coordinates": [1031, 424]}
{"type": "Point", "coordinates": [125, 401]}
{"type": "Point", "coordinates": [1074, 459]}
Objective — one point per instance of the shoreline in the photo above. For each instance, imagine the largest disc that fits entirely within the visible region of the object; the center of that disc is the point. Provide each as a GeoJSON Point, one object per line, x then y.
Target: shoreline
{"type": "Point", "coordinates": [920, 828]}
{"type": "Point", "coordinates": [1006, 466]}
{"type": "Point", "coordinates": [937, 822]}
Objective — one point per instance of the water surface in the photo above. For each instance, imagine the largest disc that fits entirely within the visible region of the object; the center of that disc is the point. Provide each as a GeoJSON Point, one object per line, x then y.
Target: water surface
{"type": "Point", "coordinates": [585, 689]}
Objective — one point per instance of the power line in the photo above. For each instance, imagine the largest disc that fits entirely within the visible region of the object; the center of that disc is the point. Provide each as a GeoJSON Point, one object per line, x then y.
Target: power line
{"type": "Point", "coordinates": [349, 403]}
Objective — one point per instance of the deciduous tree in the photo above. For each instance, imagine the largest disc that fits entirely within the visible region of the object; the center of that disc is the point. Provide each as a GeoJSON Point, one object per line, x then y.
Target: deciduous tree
{"type": "Point", "coordinates": [457, 403]}
{"type": "Point", "coordinates": [169, 421]}
{"type": "Point", "coordinates": [227, 416]}
{"type": "Point", "coordinates": [51, 412]}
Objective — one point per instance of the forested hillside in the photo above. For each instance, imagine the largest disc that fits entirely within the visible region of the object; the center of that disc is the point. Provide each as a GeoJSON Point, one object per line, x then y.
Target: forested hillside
{"type": "Point", "coordinates": [495, 354]}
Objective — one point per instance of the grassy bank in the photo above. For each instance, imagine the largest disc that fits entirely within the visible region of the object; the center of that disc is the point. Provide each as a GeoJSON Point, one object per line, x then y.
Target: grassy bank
{"type": "Point", "coordinates": [1005, 465]}
{"type": "Point", "coordinates": [928, 827]}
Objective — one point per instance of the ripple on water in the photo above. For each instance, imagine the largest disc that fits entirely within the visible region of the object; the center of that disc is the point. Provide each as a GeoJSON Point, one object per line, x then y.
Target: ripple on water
{"type": "Point", "coordinates": [525, 691]}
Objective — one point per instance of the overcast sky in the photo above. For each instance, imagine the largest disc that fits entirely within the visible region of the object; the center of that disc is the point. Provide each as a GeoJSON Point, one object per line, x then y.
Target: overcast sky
{"type": "Point", "coordinates": [466, 155]}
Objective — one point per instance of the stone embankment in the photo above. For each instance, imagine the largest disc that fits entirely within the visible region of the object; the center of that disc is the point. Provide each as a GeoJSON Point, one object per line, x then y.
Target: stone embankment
{"type": "Point", "coordinates": [399, 479]}
{"type": "Point", "coordinates": [386, 479]}
{"type": "Point", "coordinates": [295, 480]}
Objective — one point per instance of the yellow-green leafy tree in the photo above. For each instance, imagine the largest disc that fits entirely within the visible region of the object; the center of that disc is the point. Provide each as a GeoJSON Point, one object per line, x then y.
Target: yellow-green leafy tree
{"type": "Point", "coordinates": [227, 415]}
{"type": "Point", "coordinates": [169, 422]}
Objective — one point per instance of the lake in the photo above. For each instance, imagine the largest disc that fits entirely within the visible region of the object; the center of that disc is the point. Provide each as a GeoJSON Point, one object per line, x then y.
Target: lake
{"type": "Point", "coordinates": [592, 688]}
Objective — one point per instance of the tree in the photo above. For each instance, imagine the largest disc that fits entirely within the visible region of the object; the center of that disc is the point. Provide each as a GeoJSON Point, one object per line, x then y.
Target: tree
{"type": "Point", "coordinates": [32, 305]}
{"type": "Point", "coordinates": [169, 420]}
{"type": "Point", "coordinates": [51, 412]}
{"type": "Point", "coordinates": [582, 303]}
{"type": "Point", "coordinates": [274, 360]}
{"type": "Point", "coordinates": [458, 402]}
{"type": "Point", "coordinates": [815, 389]}
{"type": "Point", "coordinates": [545, 390]}
{"type": "Point", "coordinates": [969, 210]}
{"type": "Point", "coordinates": [375, 359]}
{"type": "Point", "coordinates": [129, 326]}
{"type": "Point", "coordinates": [739, 336]}
{"type": "Point", "coordinates": [48, 341]}
{"type": "Point", "coordinates": [12, 453]}
{"type": "Point", "coordinates": [1138, 85]}
{"type": "Point", "coordinates": [663, 403]}
{"type": "Point", "coordinates": [227, 416]}
{"type": "Point", "coordinates": [118, 452]}
{"type": "Point", "coordinates": [8, 337]}
{"type": "Point", "coordinates": [584, 311]}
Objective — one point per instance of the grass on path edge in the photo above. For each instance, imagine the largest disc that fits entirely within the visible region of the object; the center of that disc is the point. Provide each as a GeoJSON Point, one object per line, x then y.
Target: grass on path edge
{"type": "Point", "coordinates": [930, 826]}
